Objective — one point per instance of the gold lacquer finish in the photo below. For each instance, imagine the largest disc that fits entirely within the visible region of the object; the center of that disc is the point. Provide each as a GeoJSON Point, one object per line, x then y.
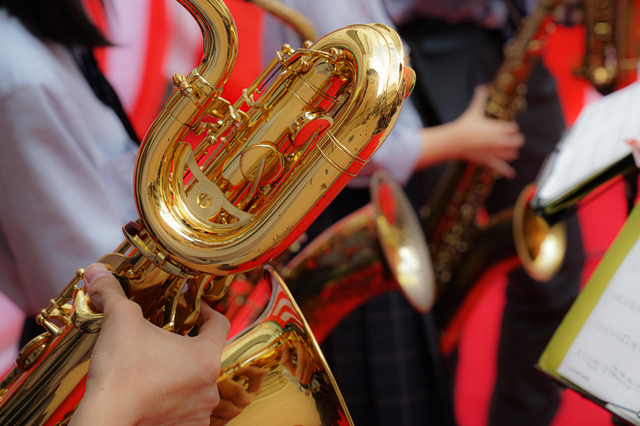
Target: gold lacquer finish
{"type": "Point", "coordinates": [258, 178]}
{"type": "Point", "coordinates": [287, 380]}
{"type": "Point", "coordinates": [376, 249]}
{"type": "Point", "coordinates": [612, 43]}
{"type": "Point", "coordinates": [540, 246]}
{"type": "Point", "coordinates": [249, 181]}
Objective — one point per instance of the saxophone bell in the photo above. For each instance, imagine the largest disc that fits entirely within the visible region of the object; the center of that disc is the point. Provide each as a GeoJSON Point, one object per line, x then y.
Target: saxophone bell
{"type": "Point", "coordinates": [540, 246]}
{"type": "Point", "coordinates": [376, 249]}
{"type": "Point", "coordinates": [278, 361]}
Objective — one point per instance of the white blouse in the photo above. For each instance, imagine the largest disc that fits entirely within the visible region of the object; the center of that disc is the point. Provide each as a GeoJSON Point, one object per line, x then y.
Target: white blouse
{"type": "Point", "coordinates": [66, 170]}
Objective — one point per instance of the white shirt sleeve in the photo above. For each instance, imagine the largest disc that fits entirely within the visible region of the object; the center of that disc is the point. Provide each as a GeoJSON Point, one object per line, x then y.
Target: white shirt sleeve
{"type": "Point", "coordinates": [63, 197]}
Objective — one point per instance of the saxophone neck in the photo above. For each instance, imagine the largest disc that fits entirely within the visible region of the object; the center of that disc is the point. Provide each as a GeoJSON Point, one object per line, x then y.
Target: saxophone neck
{"type": "Point", "coordinates": [220, 40]}
{"type": "Point", "coordinates": [508, 90]}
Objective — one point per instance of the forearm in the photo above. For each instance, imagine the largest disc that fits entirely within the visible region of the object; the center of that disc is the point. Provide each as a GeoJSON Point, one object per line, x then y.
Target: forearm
{"type": "Point", "coordinates": [440, 144]}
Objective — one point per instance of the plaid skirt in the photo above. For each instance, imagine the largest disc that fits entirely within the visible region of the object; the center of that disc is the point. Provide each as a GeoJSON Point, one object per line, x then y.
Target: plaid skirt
{"type": "Point", "coordinates": [386, 362]}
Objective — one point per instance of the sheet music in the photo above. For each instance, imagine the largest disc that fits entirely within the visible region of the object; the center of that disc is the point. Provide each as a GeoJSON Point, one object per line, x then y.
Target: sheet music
{"type": "Point", "coordinates": [604, 358]}
{"type": "Point", "coordinates": [596, 140]}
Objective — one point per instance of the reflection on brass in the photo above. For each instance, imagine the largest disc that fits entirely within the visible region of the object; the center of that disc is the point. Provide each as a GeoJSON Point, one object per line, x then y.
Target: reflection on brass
{"type": "Point", "coordinates": [33, 351]}
{"type": "Point", "coordinates": [541, 247]}
{"type": "Point", "coordinates": [376, 249]}
{"type": "Point", "coordinates": [229, 200]}
{"type": "Point", "coordinates": [274, 371]}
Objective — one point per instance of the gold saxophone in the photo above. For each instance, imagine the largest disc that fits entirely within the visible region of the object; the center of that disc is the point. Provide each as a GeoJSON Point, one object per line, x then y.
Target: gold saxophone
{"type": "Point", "coordinates": [376, 249]}
{"type": "Point", "coordinates": [455, 237]}
{"type": "Point", "coordinates": [612, 43]}
{"type": "Point", "coordinates": [252, 177]}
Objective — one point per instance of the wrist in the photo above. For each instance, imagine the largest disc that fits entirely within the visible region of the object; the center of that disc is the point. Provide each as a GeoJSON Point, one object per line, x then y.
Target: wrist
{"type": "Point", "coordinates": [102, 410]}
{"type": "Point", "coordinates": [441, 143]}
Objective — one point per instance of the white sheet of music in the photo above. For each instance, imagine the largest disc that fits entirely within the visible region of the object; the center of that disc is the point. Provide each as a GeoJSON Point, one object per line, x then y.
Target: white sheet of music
{"type": "Point", "coordinates": [596, 140]}
{"type": "Point", "coordinates": [604, 358]}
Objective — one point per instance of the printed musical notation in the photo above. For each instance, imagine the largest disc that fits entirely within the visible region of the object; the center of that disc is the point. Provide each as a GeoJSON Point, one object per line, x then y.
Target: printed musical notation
{"type": "Point", "coordinates": [604, 358]}
{"type": "Point", "coordinates": [616, 374]}
{"type": "Point", "coordinates": [618, 337]}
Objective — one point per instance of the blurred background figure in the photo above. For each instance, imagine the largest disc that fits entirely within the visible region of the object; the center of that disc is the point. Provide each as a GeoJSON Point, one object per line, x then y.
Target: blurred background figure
{"type": "Point", "coordinates": [453, 49]}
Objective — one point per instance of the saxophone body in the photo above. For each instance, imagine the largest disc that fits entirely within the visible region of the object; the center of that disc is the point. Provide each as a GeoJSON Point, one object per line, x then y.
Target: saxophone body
{"type": "Point", "coordinates": [221, 189]}
{"type": "Point", "coordinates": [462, 245]}
{"type": "Point", "coordinates": [612, 43]}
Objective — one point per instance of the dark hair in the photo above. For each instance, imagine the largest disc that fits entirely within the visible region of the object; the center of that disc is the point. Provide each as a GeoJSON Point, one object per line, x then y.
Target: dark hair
{"type": "Point", "coordinates": [64, 21]}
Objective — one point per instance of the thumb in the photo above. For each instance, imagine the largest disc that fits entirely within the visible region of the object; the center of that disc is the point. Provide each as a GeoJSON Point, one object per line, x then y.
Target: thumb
{"type": "Point", "coordinates": [479, 101]}
{"type": "Point", "coordinates": [212, 324]}
{"type": "Point", "coordinates": [104, 288]}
